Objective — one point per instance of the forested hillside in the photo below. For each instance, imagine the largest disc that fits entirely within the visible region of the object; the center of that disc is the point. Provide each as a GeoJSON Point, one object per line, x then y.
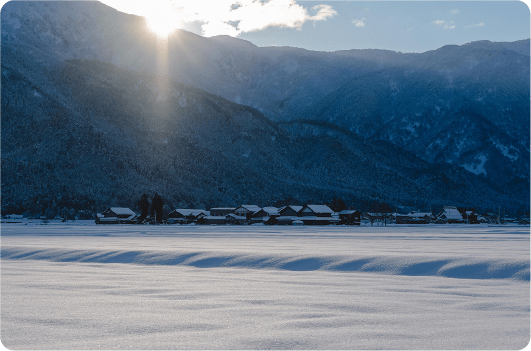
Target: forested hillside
{"type": "Point", "coordinates": [94, 115]}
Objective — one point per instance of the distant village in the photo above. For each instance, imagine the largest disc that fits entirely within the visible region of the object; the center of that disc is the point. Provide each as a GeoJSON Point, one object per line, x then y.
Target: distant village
{"type": "Point", "coordinates": [300, 215]}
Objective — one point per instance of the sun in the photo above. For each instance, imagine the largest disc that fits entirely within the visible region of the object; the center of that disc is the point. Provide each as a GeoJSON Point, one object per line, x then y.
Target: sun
{"type": "Point", "coordinates": [162, 21]}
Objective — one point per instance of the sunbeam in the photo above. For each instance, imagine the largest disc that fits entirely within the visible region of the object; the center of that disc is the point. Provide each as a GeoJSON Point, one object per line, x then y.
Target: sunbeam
{"type": "Point", "coordinates": [162, 19]}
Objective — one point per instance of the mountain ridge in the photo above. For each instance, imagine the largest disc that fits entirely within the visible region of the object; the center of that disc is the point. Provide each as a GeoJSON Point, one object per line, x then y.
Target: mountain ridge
{"type": "Point", "coordinates": [230, 112]}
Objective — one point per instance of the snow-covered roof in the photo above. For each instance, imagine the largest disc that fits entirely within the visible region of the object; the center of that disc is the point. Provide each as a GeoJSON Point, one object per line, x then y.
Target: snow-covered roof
{"type": "Point", "coordinates": [121, 211]}
{"type": "Point", "coordinates": [418, 214]}
{"type": "Point", "coordinates": [272, 211]}
{"type": "Point", "coordinates": [235, 216]}
{"type": "Point", "coordinates": [320, 208]}
{"type": "Point", "coordinates": [348, 212]}
{"type": "Point", "coordinates": [250, 208]}
{"type": "Point", "coordinates": [451, 213]}
{"type": "Point", "coordinates": [293, 207]}
{"type": "Point", "coordinates": [189, 212]}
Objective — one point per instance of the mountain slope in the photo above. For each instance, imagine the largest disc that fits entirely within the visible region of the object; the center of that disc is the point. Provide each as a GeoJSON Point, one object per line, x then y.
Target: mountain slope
{"type": "Point", "coordinates": [108, 135]}
{"type": "Point", "coordinates": [418, 109]}
{"type": "Point", "coordinates": [96, 111]}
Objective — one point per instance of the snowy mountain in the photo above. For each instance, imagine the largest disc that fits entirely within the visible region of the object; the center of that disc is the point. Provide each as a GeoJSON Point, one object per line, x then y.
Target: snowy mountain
{"type": "Point", "coordinates": [465, 105]}
{"type": "Point", "coordinates": [105, 135]}
{"type": "Point", "coordinates": [96, 110]}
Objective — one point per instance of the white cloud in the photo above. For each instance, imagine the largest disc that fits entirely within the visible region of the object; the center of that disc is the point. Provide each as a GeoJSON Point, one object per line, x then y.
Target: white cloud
{"type": "Point", "coordinates": [455, 11]}
{"type": "Point", "coordinates": [359, 23]}
{"type": "Point", "coordinates": [323, 12]}
{"type": "Point", "coordinates": [446, 25]}
{"type": "Point", "coordinates": [449, 25]}
{"type": "Point", "coordinates": [233, 17]}
{"type": "Point", "coordinates": [481, 24]}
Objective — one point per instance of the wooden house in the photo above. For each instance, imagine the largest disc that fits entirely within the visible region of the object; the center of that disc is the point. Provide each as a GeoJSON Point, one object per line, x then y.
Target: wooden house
{"type": "Point", "coordinates": [415, 218]}
{"type": "Point", "coordinates": [472, 217]}
{"type": "Point", "coordinates": [289, 211]}
{"type": "Point", "coordinates": [246, 210]}
{"type": "Point", "coordinates": [267, 215]}
{"type": "Point", "coordinates": [450, 214]}
{"type": "Point", "coordinates": [318, 215]}
{"type": "Point", "coordinates": [288, 214]}
{"type": "Point", "coordinates": [233, 218]}
{"type": "Point", "coordinates": [316, 211]}
{"type": "Point", "coordinates": [221, 211]}
{"type": "Point", "coordinates": [117, 215]}
{"type": "Point", "coordinates": [185, 215]}
{"type": "Point", "coordinates": [351, 217]}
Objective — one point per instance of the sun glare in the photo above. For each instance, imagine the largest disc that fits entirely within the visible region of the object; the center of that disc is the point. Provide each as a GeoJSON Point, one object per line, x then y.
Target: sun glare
{"type": "Point", "coordinates": [162, 22]}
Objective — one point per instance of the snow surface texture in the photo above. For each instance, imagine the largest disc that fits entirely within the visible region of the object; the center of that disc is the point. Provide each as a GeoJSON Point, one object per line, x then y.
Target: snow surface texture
{"type": "Point", "coordinates": [260, 287]}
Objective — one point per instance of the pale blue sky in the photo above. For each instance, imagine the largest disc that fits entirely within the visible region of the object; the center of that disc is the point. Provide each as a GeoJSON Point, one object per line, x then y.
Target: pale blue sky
{"type": "Point", "coordinates": [406, 26]}
{"type": "Point", "coordinates": [414, 26]}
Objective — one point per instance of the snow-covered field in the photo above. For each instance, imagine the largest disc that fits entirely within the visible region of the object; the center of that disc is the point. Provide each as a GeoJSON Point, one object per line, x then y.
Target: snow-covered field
{"type": "Point", "coordinates": [264, 287]}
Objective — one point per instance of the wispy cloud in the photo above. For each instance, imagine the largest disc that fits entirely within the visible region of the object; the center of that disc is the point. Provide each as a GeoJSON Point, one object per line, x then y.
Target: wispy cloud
{"type": "Point", "coordinates": [455, 11]}
{"type": "Point", "coordinates": [449, 25]}
{"type": "Point", "coordinates": [359, 23]}
{"type": "Point", "coordinates": [234, 17]}
{"type": "Point", "coordinates": [323, 12]}
{"type": "Point", "coordinates": [444, 24]}
{"type": "Point", "coordinates": [481, 24]}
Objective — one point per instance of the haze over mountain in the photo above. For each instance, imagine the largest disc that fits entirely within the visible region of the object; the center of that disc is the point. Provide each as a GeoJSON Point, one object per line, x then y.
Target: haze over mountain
{"type": "Point", "coordinates": [97, 110]}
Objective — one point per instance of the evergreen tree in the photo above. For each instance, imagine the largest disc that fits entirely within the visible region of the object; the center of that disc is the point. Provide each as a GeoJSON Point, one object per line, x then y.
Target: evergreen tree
{"type": "Point", "coordinates": [157, 205]}
{"type": "Point", "coordinates": [143, 204]}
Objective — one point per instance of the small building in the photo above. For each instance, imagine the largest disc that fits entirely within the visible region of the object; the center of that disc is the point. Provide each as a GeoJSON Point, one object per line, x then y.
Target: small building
{"type": "Point", "coordinates": [246, 210]}
{"type": "Point", "coordinates": [450, 214]}
{"type": "Point", "coordinates": [211, 220]}
{"type": "Point", "coordinates": [267, 215]}
{"type": "Point", "coordinates": [233, 218]}
{"type": "Point", "coordinates": [523, 220]}
{"type": "Point", "coordinates": [289, 211]}
{"type": "Point", "coordinates": [117, 215]}
{"type": "Point", "coordinates": [317, 215]}
{"type": "Point", "coordinates": [288, 214]}
{"type": "Point", "coordinates": [508, 220]}
{"type": "Point", "coordinates": [472, 217]}
{"type": "Point", "coordinates": [365, 220]}
{"type": "Point", "coordinates": [316, 211]}
{"type": "Point", "coordinates": [307, 215]}
{"type": "Point", "coordinates": [350, 217]}
{"type": "Point", "coordinates": [185, 215]}
{"type": "Point", "coordinates": [221, 211]}
{"type": "Point", "coordinates": [414, 218]}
